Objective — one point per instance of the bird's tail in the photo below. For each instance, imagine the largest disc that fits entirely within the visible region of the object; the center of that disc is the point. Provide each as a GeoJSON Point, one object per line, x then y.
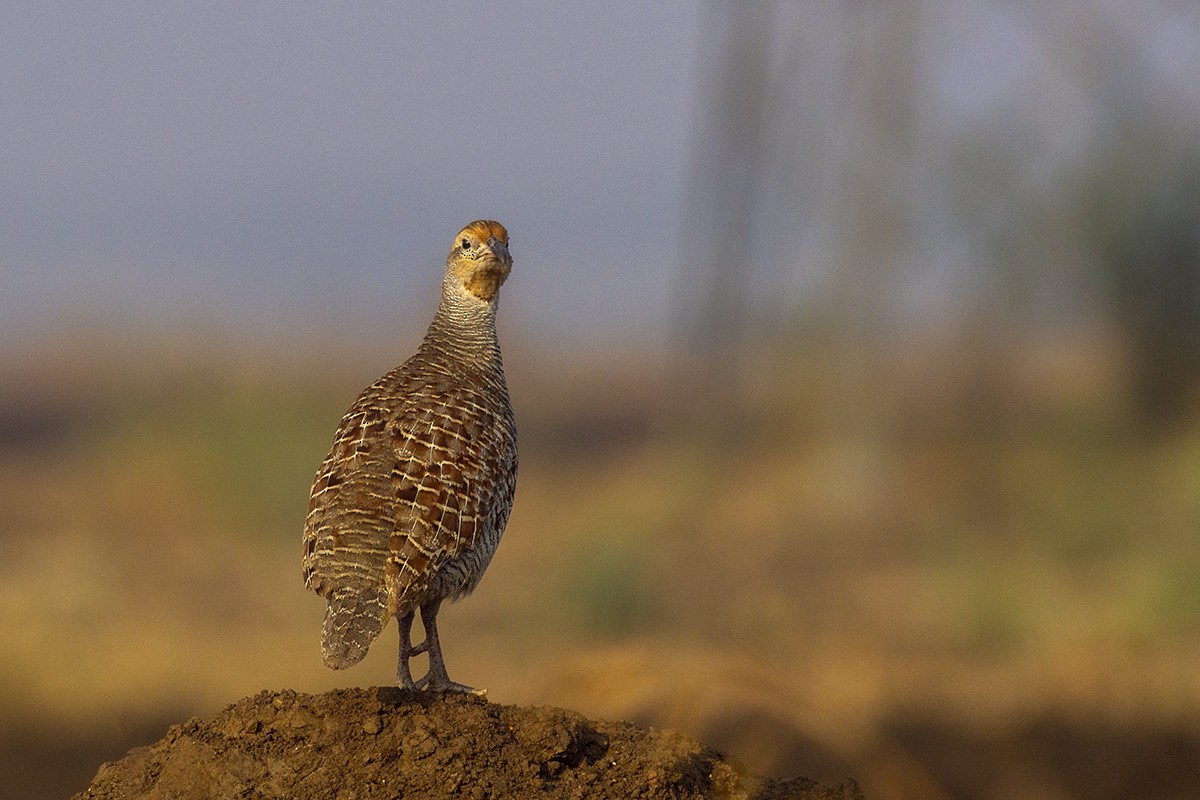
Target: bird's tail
{"type": "Point", "coordinates": [353, 619]}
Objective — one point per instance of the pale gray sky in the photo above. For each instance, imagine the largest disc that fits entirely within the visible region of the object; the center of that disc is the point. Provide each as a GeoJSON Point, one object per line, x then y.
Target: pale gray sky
{"type": "Point", "coordinates": [302, 166]}
{"type": "Point", "coordinates": [296, 161]}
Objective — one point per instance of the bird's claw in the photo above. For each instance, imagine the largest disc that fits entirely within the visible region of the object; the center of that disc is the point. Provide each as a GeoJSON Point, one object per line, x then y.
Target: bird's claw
{"type": "Point", "coordinates": [444, 686]}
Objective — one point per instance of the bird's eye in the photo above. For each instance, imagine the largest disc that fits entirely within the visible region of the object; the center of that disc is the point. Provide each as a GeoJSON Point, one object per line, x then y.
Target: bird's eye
{"type": "Point", "coordinates": [466, 243]}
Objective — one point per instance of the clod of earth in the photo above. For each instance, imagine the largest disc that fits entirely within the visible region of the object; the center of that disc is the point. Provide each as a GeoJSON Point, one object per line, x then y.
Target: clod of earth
{"type": "Point", "coordinates": [360, 744]}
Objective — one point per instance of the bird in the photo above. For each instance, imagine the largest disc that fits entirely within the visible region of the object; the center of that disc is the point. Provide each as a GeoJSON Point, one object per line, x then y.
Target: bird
{"type": "Point", "coordinates": [409, 506]}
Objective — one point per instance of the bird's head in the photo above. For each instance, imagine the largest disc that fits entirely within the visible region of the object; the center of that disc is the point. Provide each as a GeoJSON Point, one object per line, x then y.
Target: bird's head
{"type": "Point", "coordinates": [479, 261]}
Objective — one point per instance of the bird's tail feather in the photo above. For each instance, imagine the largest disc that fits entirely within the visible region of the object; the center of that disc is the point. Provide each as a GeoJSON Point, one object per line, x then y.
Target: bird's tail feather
{"type": "Point", "coordinates": [353, 619]}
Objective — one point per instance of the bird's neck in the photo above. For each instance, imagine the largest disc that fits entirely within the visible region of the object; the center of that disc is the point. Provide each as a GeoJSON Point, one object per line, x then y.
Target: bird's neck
{"type": "Point", "coordinates": [463, 332]}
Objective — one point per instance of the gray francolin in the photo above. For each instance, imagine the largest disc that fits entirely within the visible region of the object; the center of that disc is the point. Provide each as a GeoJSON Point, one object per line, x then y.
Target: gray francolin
{"type": "Point", "coordinates": [409, 505]}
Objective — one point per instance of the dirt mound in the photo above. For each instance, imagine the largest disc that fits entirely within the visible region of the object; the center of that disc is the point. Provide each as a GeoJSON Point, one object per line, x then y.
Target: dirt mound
{"type": "Point", "coordinates": [353, 744]}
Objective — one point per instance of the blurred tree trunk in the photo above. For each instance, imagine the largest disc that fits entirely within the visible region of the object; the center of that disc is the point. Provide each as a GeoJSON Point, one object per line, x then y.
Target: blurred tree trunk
{"type": "Point", "coordinates": [875, 206]}
{"type": "Point", "coordinates": [807, 112]}
{"type": "Point", "coordinates": [729, 160]}
{"type": "Point", "coordinates": [1140, 202]}
{"type": "Point", "coordinates": [1150, 258]}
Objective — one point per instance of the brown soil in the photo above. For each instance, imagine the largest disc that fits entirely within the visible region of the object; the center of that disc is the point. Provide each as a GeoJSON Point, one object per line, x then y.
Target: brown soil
{"type": "Point", "coordinates": [354, 744]}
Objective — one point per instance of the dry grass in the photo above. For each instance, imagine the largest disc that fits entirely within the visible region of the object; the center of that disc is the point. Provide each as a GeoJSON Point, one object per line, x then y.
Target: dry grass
{"type": "Point", "coordinates": [987, 549]}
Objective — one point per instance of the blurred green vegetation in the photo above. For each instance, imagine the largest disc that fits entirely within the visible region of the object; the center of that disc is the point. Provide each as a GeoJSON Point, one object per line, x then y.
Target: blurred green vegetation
{"type": "Point", "coordinates": [246, 449]}
{"type": "Point", "coordinates": [1000, 524]}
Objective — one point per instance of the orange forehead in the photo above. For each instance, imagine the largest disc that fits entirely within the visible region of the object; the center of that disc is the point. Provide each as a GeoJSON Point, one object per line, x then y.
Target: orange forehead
{"type": "Point", "coordinates": [484, 229]}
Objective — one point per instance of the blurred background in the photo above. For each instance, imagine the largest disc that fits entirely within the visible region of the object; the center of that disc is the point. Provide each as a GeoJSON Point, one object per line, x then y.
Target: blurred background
{"type": "Point", "coordinates": [854, 349]}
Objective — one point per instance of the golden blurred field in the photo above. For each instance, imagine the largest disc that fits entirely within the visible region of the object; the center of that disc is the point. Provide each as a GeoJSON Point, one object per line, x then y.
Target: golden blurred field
{"type": "Point", "coordinates": [951, 575]}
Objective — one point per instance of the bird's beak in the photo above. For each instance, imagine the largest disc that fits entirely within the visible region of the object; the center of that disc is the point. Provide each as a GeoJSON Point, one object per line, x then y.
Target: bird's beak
{"type": "Point", "coordinates": [499, 250]}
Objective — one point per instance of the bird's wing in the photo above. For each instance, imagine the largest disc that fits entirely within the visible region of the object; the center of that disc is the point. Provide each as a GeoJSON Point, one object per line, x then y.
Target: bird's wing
{"type": "Point", "coordinates": [436, 474]}
{"type": "Point", "coordinates": [347, 529]}
{"type": "Point", "coordinates": [351, 504]}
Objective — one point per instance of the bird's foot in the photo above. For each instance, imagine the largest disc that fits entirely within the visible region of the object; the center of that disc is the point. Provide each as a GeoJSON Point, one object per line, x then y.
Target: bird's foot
{"type": "Point", "coordinates": [442, 684]}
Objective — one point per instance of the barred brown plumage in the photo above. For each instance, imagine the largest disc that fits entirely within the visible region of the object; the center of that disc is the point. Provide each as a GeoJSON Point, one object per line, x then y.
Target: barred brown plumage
{"type": "Point", "coordinates": [407, 509]}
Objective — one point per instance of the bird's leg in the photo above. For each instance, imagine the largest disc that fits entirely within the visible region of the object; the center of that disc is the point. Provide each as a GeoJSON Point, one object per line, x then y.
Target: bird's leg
{"type": "Point", "coordinates": [407, 651]}
{"type": "Point", "coordinates": [438, 680]}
